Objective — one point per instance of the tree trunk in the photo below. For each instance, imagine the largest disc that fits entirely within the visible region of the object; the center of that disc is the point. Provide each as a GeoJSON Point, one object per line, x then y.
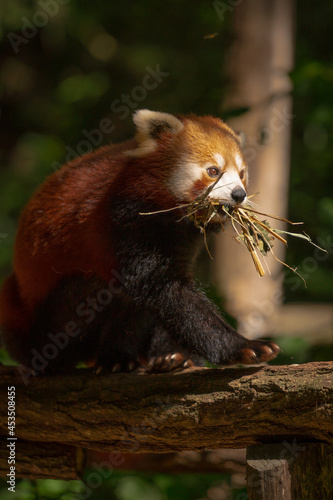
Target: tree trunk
{"type": "Point", "coordinates": [259, 63]}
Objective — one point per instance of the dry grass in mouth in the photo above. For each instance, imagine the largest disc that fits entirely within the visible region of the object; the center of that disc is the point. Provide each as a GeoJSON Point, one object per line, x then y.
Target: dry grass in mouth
{"type": "Point", "coordinates": [255, 234]}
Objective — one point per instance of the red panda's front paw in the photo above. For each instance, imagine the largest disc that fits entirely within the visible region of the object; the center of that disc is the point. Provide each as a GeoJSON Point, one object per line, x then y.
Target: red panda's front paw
{"type": "Point", "coordinates": [258, 351]}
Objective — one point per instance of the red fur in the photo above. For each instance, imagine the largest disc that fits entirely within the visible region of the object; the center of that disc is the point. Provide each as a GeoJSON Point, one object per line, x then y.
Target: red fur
{"type": "Point", "coordinates": [199, 186]}
{"type": "Point", "coordinates": [64, 228]}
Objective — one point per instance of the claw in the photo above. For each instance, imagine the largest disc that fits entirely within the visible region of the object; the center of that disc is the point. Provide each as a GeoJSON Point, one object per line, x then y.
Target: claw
{"type": "Point", "coordinates": [116, 368]}
{"type": "Point", "coordinates": [169, 362]}
{"type": "Point", "coordinates": [130, 366]}
{"type": "Point", "coordinates": [259, 352]}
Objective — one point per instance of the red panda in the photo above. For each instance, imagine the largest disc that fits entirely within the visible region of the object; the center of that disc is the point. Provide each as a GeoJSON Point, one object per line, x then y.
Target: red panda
{"type": "Point", "coordinates": [94, 279]}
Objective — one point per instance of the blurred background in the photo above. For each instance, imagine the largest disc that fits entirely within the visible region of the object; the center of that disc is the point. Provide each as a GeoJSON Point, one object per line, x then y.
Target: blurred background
{"type": "Point", "coordinates": [71, 75]}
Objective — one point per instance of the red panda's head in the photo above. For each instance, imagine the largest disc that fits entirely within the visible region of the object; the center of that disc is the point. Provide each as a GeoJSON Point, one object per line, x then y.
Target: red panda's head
{"type": "Point", "coordinates": [192, 153]}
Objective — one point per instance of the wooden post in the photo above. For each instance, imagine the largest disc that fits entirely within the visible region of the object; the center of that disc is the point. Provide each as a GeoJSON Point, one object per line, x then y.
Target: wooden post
{"type": "Point", "coordinates": [259, 63]}
{"type": "Point", "coordinates": [290, 471]}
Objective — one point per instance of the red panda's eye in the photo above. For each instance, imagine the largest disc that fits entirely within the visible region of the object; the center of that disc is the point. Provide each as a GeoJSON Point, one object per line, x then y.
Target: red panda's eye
{"type": "Point", "coordinates": [242, 174]}
{"type": "Point", "coordinates": [213, 171]}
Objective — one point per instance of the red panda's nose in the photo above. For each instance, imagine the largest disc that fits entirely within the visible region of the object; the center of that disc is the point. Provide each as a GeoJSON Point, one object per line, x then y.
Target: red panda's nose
{"type": "Point", "coordinates": [238, 194]}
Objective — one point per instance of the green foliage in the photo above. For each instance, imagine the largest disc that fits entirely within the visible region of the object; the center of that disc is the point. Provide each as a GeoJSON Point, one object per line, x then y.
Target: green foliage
{"type": "Point", "coordinates": [41, 489]}
{"type": "Point", "coordinates": [122, 486]}
{"type": "Point", "coordinates": [311, 181]}
{"type": "Point", "coordinates": [298, 350]}
{"type": "Point", "coordinates": [5, 359]}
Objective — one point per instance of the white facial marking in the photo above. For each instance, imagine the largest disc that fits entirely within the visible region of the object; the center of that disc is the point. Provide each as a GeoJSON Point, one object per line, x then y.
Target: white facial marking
{"type": "Point", "coordinates": [224, 187]}
{"type": "Point", "coordinates": [183, 178]}
{"type": "Point", "coordinates": [219, 159]}
{"type": "Point", "coordinates": [239, 161]}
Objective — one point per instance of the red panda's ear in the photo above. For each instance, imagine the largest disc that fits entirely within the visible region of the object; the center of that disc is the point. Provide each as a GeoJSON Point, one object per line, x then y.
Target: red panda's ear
{"type": "Point", "coordinates": [150, 125]}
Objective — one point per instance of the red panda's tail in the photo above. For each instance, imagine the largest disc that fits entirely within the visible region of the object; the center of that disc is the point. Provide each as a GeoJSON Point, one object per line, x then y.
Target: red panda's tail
{"type": "Point", "coordinates": [15, 319]}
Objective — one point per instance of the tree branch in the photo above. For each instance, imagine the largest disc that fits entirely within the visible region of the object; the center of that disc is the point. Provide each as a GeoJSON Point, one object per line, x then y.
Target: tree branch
{"type": "Point", "coordinates": [196, 409]}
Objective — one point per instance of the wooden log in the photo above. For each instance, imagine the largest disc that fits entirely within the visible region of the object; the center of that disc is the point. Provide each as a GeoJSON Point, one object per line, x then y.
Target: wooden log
{"type": "Point", "coordinates": [44, 460]}
{"type": "Point", "coordinates": [196, 409]}
{"type": "Point", "coordinates": [292, 471]}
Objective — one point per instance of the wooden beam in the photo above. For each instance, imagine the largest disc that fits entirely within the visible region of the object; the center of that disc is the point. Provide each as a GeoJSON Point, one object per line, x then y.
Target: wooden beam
{"type": "Point", "coordinates": [196, 409]}
{"type": "Point", "coordinates": [44, 461]}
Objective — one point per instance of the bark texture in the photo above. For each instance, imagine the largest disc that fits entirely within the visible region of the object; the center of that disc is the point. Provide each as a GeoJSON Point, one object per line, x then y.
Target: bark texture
{"type": "Point", "coordinates": [196, 409]}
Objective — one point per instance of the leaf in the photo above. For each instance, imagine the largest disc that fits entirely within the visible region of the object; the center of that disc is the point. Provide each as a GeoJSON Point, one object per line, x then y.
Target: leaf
{"type": "Point", "coordinates": [302, 236]}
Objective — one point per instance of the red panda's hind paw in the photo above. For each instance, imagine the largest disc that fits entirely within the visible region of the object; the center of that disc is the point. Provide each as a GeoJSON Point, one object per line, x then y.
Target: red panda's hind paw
{"type": "Point", "coordinates": [168, 363]}
{"type": "Point", "coordinates": [155, 364]}
{"type": "Point", "coordinates": [130, 366]}
{"type": "Point", "coordinates": [258, 351]}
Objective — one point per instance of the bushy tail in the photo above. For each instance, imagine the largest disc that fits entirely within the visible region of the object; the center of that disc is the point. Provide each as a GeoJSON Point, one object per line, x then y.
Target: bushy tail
{"type": "Point", "coordinates": [15, 319]}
